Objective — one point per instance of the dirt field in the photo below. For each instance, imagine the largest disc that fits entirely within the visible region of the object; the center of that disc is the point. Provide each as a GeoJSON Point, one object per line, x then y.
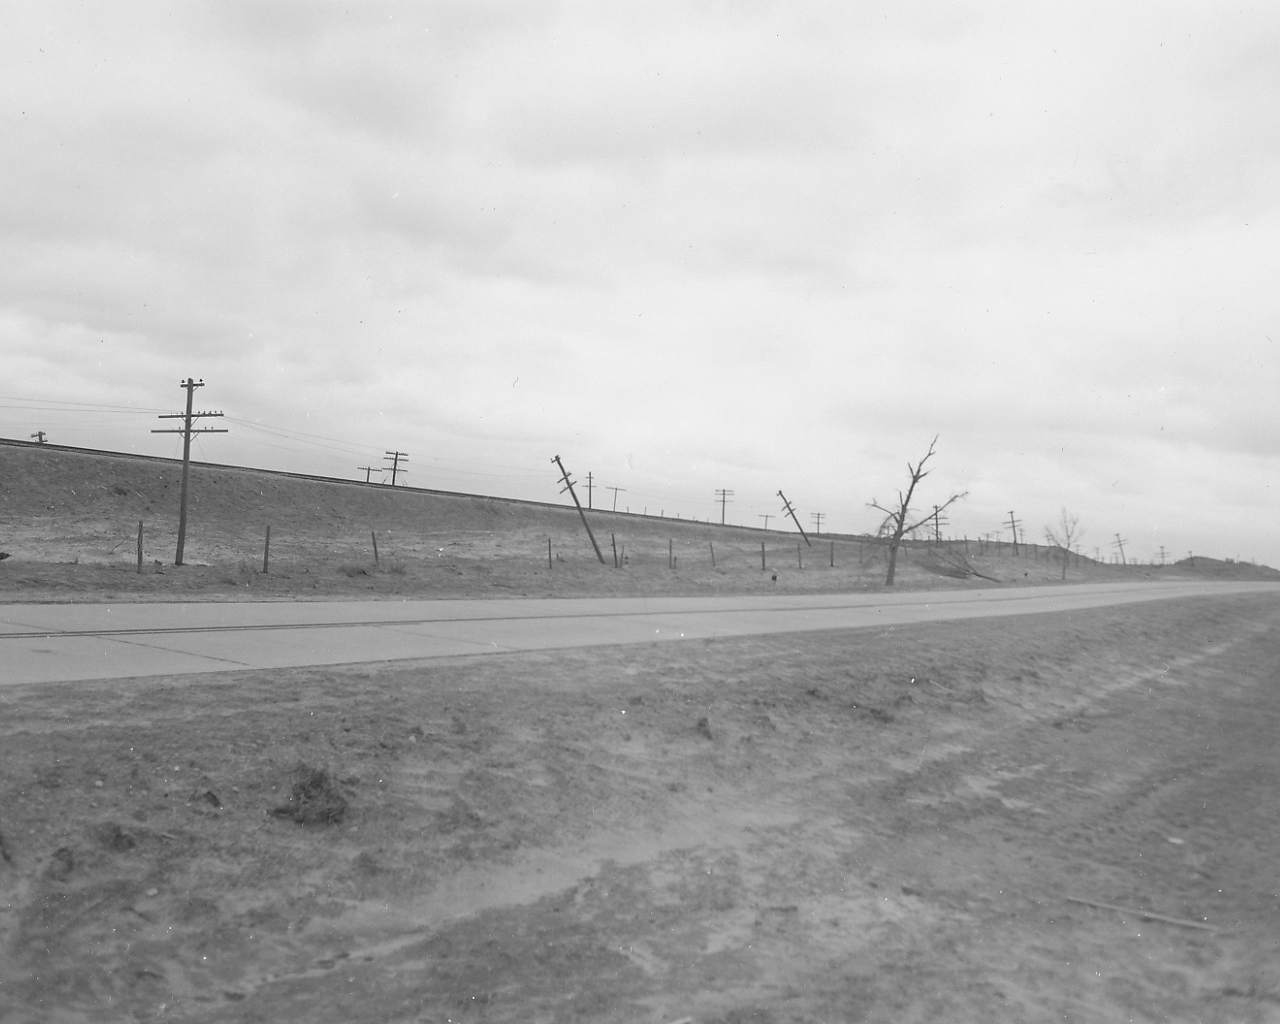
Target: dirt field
{"type": "Point", "coordinates": [861, 826]}
{"type": "Point", "coordinates": [70, 521]}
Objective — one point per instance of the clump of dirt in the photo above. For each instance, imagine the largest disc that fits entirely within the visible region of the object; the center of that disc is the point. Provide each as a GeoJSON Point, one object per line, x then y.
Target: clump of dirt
{"type": "Point", "coordinates": [114, 838]}
{"type": "Point", "coordinates": [704, 728]}
{"type": "Point", "coordinates": [314, 798]}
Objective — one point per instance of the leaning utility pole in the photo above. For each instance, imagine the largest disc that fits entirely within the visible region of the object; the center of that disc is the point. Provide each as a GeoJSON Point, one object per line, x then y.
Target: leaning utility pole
{"type": "Point", "coordinates": [1013, 525]}
{"type": "Point", "coordinates": [615, 495]}
{"type": "Point", "coordinates": [1119, 543]}
{"type": "Point", "coordinates": [723, 496]}
{"type": "Point", "coordinates": [786, 507]}
{"type": "Point", "coordinates": [817, 518]}
{"type": "Point", "coordinates": [38, 437]}
{"type": "Point", "coordinates": [186, 431]}
{"type": "Point", "coordinates": [396, 458]}
{"type": "Point", "coordinates": [568, 486]}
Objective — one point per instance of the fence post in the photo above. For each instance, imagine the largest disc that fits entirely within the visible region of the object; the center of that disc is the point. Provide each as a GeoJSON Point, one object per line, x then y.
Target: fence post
{"type": "Point", "coordinates": [266, 549]}
{"type": "Point", "coordinates": [671, 564]}
{"type": "Point", "coordinates": [375, 547]}
{"type": "Point", "coordinates": [614, 541]}
{"type": "Point", "coordinates": [833, 554]}
{"type": "Point", "coordinates": [762, 568]}
{"type": "Point", "coordinates": [548, 552]}
{"type": "Point", "coordinates": [139, 546]}
{"type": "Point", "coordinates": [712, 546]}
{"type": "Point", "coordinates": [799, 557]}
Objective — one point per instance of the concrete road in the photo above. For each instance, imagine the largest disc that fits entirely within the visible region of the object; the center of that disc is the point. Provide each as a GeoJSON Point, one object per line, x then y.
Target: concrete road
{"type": "Point", "coordinates": [69, 642]}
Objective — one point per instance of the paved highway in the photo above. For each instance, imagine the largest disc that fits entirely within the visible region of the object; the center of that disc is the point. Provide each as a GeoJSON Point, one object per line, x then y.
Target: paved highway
{"type": "Point", "coordinates": [46, 643]}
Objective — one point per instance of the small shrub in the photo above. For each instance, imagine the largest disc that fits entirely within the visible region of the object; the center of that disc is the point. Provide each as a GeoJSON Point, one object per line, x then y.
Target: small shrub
{"type": "Point", "coordinates": [314, 798]}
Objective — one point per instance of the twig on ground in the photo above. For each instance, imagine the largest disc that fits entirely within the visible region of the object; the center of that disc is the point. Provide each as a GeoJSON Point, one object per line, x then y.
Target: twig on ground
{"type": "Point", "coordinates": [941, 687]}
{"type": "Point", "coordinates": [1146, 915]}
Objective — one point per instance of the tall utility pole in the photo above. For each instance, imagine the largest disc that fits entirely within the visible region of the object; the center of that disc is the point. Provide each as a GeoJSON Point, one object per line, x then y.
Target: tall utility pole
{"type": "Point", "coordinates": [1119, 543]}
{"type": "Point", "coordinates": [368, 470]}
{"type": "Point", "coordinates": [615, 495]}
{"type": "Point", "coordinates": [786, 507]}
{"type": "Point", "coordinates": [396, 458]}
{"type": "Point", "coordinates": [817, 518]}
{"type": "Point", "coordinates": [590, 484]}
{"type": "Point", "coordinates": [568, 486]}
{"type": "Point", "coordinates": [1162, 553]}
{"type": "Point", "coordinates": [38, 437]}
{"type": "Point", "coordinates": [186, 431]}
{"type": "Point", "coordinates": [766, 518]}
{"type": "Point", "coordinates": [1013, 525]}
{"type": "Point", "coordinates": [723, 496]}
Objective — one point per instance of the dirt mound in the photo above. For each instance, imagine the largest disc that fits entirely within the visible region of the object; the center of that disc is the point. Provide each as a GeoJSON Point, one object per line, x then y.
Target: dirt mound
{"type": "Point", "coordinates": [314, 798]}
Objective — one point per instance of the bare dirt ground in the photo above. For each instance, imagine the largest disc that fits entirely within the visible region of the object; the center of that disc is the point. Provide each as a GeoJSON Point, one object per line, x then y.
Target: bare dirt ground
{"type": "Point", "coordinates": [861, 826]}
{"type": "Point", "coordinates": [69, 522]}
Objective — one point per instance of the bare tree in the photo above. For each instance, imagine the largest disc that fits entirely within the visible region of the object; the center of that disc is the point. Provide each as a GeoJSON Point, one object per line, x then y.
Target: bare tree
{"type": "Point", "coordinates": [1066, 536]}
{"type": "Point", "coordinates": [896, 524]}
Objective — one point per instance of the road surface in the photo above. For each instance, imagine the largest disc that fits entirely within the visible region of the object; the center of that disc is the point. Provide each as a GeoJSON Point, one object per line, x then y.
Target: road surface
{"type": "Point", "coordinates": [46, 643]}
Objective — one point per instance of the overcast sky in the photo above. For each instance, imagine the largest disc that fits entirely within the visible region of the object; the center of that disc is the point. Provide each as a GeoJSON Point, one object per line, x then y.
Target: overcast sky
{"type": "Point", "coordinates": [685, 246]}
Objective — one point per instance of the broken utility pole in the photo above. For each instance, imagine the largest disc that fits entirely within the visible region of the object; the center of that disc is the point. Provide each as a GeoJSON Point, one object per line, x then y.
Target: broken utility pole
{"type": "Point", "coordinates": [1119, 543]}
{"type": "Point", "coordinates": [396, 458]}
{"type": "Point", "coordinates": [568, 486]}
{"type": "Point", "coordinates": [38, 437]}
{"type": "Point", "coordinates": [187, 431]}
{"type": "Point", "coordinates": [786, 507]}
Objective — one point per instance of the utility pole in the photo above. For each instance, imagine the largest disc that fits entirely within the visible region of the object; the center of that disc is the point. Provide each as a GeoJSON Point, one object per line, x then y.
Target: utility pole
{"type": "Point", "coordinates": [186, 431]}
{"type": "Point", "coordinates": [817, 518]}
{"type": "Point", "coordinates": [1162, 554]}
{"type": "Point", "coordinates": [786, 507]}
{"type": "Point", "coordinates": [396, 458]}
{"type": "Point", "coordinates": [368, 470]}
{"type": "Point", "coordinates": [766, 518]}
{"type": "Point", "coordinates": [939, 521]}
{"type": "Point", "coordinates": [589, 486]}
{"type": "Point", "coordinates": [1013, 526]}
{"type": "Point", "coordinates": [38, 437]}
{"type": "Point", "coordinates": [568, 486]}
{"type": "Point", "coordinates": [615, 495]}
{"type": "Point", "coordinates": [1119, 543]}
{"type": "Point", "coordinates": [723, 496]}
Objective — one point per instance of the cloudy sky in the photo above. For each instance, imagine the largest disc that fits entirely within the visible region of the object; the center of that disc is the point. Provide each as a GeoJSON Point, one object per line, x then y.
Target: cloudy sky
{"type": "Point", "coordinates": [685, 246]}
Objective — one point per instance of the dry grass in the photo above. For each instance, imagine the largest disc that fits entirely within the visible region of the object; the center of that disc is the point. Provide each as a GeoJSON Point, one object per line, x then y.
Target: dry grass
{"type": "Point", "coordinates": [71, 525]}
